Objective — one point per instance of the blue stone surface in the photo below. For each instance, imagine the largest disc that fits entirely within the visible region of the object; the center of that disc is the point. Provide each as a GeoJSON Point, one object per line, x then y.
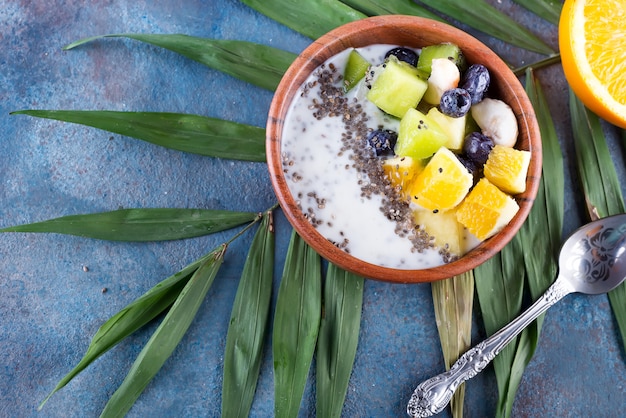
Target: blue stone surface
{"type": "Point", "coordinates": [51, 286]}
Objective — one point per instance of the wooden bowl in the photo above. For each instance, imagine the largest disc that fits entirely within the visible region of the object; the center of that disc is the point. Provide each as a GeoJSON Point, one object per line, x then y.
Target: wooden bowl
{"type": "Point", "coordinates": [412, 32]}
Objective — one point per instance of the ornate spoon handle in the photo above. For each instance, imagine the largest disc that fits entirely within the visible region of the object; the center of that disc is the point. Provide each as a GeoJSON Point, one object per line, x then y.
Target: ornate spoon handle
{"type": "Point", "coordinates": [432, 395]}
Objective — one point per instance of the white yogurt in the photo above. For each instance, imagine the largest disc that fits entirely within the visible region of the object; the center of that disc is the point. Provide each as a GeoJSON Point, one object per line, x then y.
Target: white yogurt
{"type": "Point", "coordinates": [323, 180]}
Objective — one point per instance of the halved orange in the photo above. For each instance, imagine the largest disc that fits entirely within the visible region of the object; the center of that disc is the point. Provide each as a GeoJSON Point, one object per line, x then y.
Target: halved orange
{"type": "Point", "coordinates": [592, 41]}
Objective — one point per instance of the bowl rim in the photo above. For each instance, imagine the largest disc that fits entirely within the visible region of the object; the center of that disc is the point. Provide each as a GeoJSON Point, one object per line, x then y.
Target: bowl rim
{"type": "Point", "coordinates": [351, 35]}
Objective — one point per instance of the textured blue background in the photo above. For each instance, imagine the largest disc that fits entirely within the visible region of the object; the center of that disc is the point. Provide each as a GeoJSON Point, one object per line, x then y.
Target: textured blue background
{"type": "Point", "coordinates": [50, 307]}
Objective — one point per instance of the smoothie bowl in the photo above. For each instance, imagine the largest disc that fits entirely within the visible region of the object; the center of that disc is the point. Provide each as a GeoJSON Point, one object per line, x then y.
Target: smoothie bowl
{"type": "Point", "coordinates": [403, 149]}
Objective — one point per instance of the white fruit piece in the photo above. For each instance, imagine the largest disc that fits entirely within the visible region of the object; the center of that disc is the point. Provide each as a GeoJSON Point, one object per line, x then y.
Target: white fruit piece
{"type": "Point", "coordinates": [454, 127]}
{"type": "Point", "coordinates": [497, 121]}
{"type": "Point", "coordinates": [444, 76]}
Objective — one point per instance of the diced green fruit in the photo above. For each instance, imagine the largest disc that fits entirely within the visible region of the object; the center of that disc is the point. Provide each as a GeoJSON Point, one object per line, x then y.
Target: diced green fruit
{"type": "Point", "coordinates": [446, 231]}
{"type": "Point", "coordinates": [454, 128]}
{"type": "Point", "coordinates": [445, 50]}
{"type": "Point", "coordinates": [419, 136]}
{"type": "Point", "coordinates": [397, 88]}
{"type": "Point", "coordinates": [356, 68]}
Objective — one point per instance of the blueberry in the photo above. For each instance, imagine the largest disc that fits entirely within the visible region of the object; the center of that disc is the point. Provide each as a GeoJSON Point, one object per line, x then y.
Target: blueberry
{"type": "Point", "coordinates": [476, 81]}
{"type": "Point", "coordinates": [477, 147]}
{"type": "Point", "coordinates": [382, 141]}
{"type": "Point", "coordinates": [403, 54]}
{"type": "Point", "coordinates": [455, 102]}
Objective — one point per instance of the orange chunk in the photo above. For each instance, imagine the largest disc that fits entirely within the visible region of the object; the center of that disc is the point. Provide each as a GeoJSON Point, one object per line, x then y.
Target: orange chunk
{"type": "Point", "coordinates": [486, 210]}
{"type": "Point", "coordinates": [507, 168]}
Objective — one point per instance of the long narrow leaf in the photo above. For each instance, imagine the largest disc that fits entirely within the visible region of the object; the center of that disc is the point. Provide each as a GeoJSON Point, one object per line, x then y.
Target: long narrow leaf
{"type": "Point", "coordinates": [500, 285]}
{"type": "Point", "coordinates": [482, 16]}
{"type": "Point", "coordinates": [338, 339]}
{"type": "Point", "coordinates": [391, 7]}
{"type": "Point", "coordinates": [312, 18]}
{"type": "Point", "coordinates": [453, 301]}
{"type": "Point", "coordinates": [141, 225]}
{"type": "Point", "coordinates": [167, 336]}
{"type": "Point", "coordinates": [549, 10]}
{"type": "Point", "coordinates": [248, 324]}
{"type": "Point", "coordinates": [600, 184]}
{"type": "Point", "coordinates": [130, 319]}
{"type": "Point", "coordinates": [296, 325]}
{"type": "Point", "coordinates": [183, 132]}
{"type": "Point", "coordinates": [543, 230]}
{"type": "Point", "coordinates": [254, 63]}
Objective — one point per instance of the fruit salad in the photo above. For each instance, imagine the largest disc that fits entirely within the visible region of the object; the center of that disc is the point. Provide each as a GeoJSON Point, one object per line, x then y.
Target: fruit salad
{"type": "Point", "coordinates": [401, 156]}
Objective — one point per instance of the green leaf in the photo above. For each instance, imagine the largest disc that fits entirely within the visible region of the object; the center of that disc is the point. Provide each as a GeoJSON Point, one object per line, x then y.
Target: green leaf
{"type": "Point", "coordinates": [296, 325]}
{"type": "Point", "coordinates": [600, 182]}
{"type": "Point", "coordinates": [189, 133]}
{"type": "Point", "coordinates": [312, 18]}
{"type": "Point", "coordinates": [248, 324]}
{"type": "Point", "coordinates": [543, 230]}
{"type": "Point", "coordinates": [167, 336]}
{"type": "Point", "coordinates": [482, 16]}
{"type": "Point", "coordinates": [549, 10]}
{"type": "Point", "coordinates": [130, 319]}
{"type": "Point", "coordinates": [391, 7]}
{"type": "Point", "coordinates": [453, 301]}
{"type": "Point", "coordinates": [600, 185]}
{"type": "Point", "coordinates": [257, 64]}
{"type": "Point", "coordinates": [141, 225]}
{"type": "Point", "coordinates": [499, 285]}
{"type": "Point", "coordinates": [338, 339]}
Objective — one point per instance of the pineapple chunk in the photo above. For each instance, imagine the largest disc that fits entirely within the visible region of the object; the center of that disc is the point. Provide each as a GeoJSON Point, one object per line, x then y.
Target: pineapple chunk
{"type": "Point", "coordinates": [454, 127]}
{"type": "Point", "coordinates": [444, 228]}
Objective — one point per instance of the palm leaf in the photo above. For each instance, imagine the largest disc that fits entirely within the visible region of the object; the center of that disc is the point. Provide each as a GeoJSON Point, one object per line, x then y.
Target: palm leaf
{"type": "Point", "coordinates": [600, 184]}
{"type": "Point", "coordinates": [189, 133]}
{"type": "Point", "coordinates": [248, 324]}
{"type": "Point", "coordinates": [539, 240]}
{"type": "Point", "coordinates": [391, 7]}
{"type": "Point", "coordinates": [543, 230]}
{"type": "Point", "coordinates": [296, 325]}
{"type": "Point", "coordinates": [312, 18]}
{"type": "Point", "coordinates": [338, 339]}
{"type": "Point", "coordinates": [453, 300]}
{"type": "Point", "coordinates": [549, 10]}
{"type": "Point", "coordinates": [130, 319]}
{"type": "Point", "coordinates": [167, 336]}
{"type": "Point", "coordinates": [482, 16]}
{"type": "Point", "coordinates": [141, 225]}
{"type": "Point", "coordinates": [257, 64]}
{"type": "Point", "coordinates": [499, 285]}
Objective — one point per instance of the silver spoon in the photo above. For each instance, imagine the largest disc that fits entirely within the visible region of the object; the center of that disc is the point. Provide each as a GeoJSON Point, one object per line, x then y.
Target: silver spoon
{"type": "Point", "coordinates": [592, 261]}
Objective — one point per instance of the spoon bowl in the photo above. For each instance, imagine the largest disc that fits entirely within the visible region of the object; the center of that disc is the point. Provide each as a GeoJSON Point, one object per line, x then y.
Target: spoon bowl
{"type": "Point", "coordinates": [592, 261]}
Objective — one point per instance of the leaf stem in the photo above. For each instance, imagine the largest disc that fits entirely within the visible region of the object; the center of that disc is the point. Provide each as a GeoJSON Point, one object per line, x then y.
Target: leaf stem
{"type": "Point", "coordinates": [257, 218]}
{"type": "Point", "coordinates": [552, 59]}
